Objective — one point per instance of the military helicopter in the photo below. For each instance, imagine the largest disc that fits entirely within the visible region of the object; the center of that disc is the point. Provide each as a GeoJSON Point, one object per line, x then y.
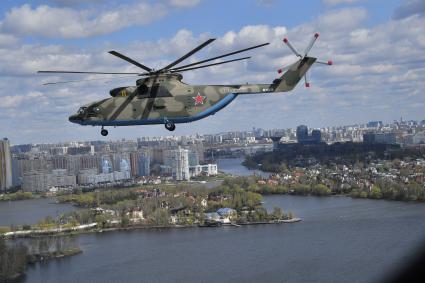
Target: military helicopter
{"type": "Point", "coordinates": [161, 97]}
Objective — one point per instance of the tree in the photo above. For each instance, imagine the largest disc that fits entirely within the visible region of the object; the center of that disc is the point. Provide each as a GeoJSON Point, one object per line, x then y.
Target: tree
{"type": "Point", "coordinates": [277, 212]}
{"type": "Point", "coordinates": [375, 192]}
{"type": "Point", "coordinates": [125, 220]}
{"type": "Point", "coordinates": [13, 260]}
{"type": "Point", "coordinates": [363, 194]}
{"type": "Point", "coordinates": [102, 220]}
{"type": "Point", "coordinates": [321, 190]}
{"type": "Point", "coordinates": [161, 216]}
{"type": "Point", "coordinates": [355, 193]}
{"type": "Point", "coordinates": [290, 215]}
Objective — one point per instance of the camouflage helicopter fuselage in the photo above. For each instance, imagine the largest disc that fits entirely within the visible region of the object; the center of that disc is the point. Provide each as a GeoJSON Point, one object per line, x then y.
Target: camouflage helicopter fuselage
{"type": "Point", "coordinates": [165, 98]}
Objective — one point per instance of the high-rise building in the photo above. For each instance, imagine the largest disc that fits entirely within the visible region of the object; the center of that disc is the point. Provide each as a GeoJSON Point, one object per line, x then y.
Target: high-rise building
{"type": "Point", "coordinates": [302, 133]}
{"type": "Point", "coordinates": [140, 162]}
{"type": "Point", "coordinates": [199, 148]}
{"type": "Point", "coordinates": [419, 138]}
{"type": "Point", "coordinates": [178, 161]}
{"type": "Point", "coordinates": [193, 158]}
{"type": "Point", "coordinates": [5, 165]}
{"type": "Point", "coordinates": [374, 124]}
{"type": "Point", "coordinates": [143, 164]}
{"type": "Point", "coordinates": [17, 171]}
{"type": "Point", "coordinates": [316, 136]}
{"type": "Point", "coordinates": [61, 178]}
{"type": "Point", "coordinates": [304, 138]}
{"type": "Point", "coordinates": [276, 141]}
{"type": "Point", "coordinates": [37, 181]}
{"type": "Point", "coordinates": [89, 149]}
{"type": "Point", "coordinates": [106, 164]}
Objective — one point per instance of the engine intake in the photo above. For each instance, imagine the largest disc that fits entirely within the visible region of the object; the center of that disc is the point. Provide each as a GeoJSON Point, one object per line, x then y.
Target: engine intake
{"type": "Point", "coordinates": [119, 91]}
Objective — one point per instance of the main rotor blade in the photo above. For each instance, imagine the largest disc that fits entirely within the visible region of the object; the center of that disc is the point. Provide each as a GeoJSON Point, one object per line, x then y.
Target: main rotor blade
{"type": "Point", "coordinates": [188, 54]}
{"type": "Point", "coordinates": [79, 72]}
{"type": "Point", "coordinates": [221, 56]}
{"type": "Point", "coordinates": [75, 81]}
{"type": "Point", "coordinates": [113, 52]}
{"type": "Point", "coordinates": [209, 65]}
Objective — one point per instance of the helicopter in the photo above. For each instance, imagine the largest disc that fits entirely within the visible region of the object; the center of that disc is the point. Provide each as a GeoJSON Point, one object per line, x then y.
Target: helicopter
{"type": "Point", "coordinates": [161, 97]}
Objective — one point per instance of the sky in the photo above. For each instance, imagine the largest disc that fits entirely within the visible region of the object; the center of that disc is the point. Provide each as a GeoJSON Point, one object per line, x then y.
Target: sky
{"type": "Point", "coordinates": [377, 46]}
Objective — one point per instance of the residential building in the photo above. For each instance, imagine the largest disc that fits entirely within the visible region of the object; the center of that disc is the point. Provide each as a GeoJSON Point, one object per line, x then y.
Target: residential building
{"type": "Point", "coordinates": [37, 181]}
{"type": "Point", "coordinates": [178, 161]}
{"type": "Point", "coordinates": [5, 165]}
{"type": "Point", "coordinates": [206, 170]}
{"type": "Point", "coordinates": [419, 138]}
{"type": "Point", "coordinates": [193, 158]}
{"type": "Point", "coordinates": [143, 164]}
{"type": "Point", "coordinates": [304, 138]}
{"type": "Point", "coordinates": [62, 179]}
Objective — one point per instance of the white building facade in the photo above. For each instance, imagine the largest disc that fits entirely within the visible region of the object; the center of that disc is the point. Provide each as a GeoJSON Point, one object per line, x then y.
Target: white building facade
{"type": "Point", "coordinates": [206, 170]}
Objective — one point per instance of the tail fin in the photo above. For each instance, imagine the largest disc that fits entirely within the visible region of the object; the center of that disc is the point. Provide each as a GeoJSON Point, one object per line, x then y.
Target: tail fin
{"type": "Point", "coordinates": [298, 70]}
{"type": "Point", "coordinates": [293, 75]}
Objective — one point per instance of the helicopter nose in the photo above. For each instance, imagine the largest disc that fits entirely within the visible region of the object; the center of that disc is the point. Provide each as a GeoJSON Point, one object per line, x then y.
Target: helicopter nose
{"type": "Point", "coordinates": [75, 119]}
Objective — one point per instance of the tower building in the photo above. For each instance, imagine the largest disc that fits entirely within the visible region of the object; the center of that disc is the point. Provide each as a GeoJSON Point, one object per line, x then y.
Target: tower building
{"type": "Point", "coordinates": [5, 165]}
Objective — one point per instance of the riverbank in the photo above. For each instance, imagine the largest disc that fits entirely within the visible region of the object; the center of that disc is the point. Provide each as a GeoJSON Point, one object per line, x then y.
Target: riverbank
{"type": "Point", "coordinates": [32, 259]}
{"type": "Point", "coordinates": [19, 195]}
{"type": "Point", "coordinates": [24, 253]}
{"type": "Point", "coordinates": [94, 228]}
{"type": "Point", "coordinates": [399, 180]}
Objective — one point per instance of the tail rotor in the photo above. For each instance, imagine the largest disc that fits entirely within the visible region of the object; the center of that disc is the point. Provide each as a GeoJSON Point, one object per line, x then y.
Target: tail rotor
{"type": "Point", "coordinates": [291, 47]}
{"type": "Point", "coordinates": [310, 45]}
{"type": "Point", "coordinates": [307, 50]}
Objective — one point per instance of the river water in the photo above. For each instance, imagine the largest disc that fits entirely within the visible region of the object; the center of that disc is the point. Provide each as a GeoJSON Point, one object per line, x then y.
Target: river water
{"type": "Point", "coordinates": [30, 211]}
{"type": "Point", "coordinates": [339, 240]}
{"type": "Point", "coordinates": [233, 166]}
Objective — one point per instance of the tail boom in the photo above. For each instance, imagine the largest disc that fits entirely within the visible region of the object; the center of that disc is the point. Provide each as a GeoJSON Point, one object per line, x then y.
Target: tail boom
{"type": "Point", "coordinates": [293, 75]}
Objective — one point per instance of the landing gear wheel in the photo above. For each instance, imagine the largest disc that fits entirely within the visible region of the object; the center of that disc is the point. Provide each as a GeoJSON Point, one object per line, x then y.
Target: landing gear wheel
{"type": "Point", "coordinates": [170, 126]}
{"type": "Point", "coordinates": [104, 132]}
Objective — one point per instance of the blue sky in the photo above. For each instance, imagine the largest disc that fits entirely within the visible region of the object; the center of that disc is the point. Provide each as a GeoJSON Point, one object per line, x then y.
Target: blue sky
{"type": "Point", "coordinates": [375, 45]}
{"type": "Point", "coordinates": [215, 17]}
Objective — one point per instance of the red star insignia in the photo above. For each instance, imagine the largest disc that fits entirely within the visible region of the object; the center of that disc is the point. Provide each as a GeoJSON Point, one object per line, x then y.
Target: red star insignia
{"type": "Point", "coordinates": [199, 99]}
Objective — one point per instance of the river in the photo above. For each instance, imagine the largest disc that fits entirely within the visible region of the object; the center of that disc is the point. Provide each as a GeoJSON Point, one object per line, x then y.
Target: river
{"type": "Point", "coordinates": [30, 211]}
{"type": "Point", "coordinates": [233, 166]}
{"type": "Point", "coordinates": [339, 240]}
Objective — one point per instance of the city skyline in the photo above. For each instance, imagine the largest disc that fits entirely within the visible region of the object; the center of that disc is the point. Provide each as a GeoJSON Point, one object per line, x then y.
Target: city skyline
{"type": "Point", "coordinates": [167, 134]}
{"type": "Point", "coordinates": [375, 47]}
{"type": "Point", "coordinates": [92, 164]}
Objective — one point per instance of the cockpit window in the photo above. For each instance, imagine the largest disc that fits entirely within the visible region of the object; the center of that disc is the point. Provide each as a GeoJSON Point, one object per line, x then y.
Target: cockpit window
{"type": "Point", "coordinates": [82, 110]}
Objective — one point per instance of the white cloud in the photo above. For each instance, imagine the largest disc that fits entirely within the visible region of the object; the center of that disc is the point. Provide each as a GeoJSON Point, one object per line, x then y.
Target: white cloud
{"type": "Point", "coordinates": [7, 40]}
{"type": "Point", "coordinates": [266, 3]}
{"type": "Point", "coordinates": [336, 2]}
{"type": "Point", "coordinates": [11, 101]}
{"type": "Point", "coordinates": [184, 3]}
{"type": "Point", "coordinates": [378, 73]}
{"type": "Point", "coordinates": [409, 8]}
{"type": "Point", "coordinates": [343, 19]}
{"type": "Point", "coordinates": [77, 2]}
{"type": "Point", "coordinates": [66, 22]}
